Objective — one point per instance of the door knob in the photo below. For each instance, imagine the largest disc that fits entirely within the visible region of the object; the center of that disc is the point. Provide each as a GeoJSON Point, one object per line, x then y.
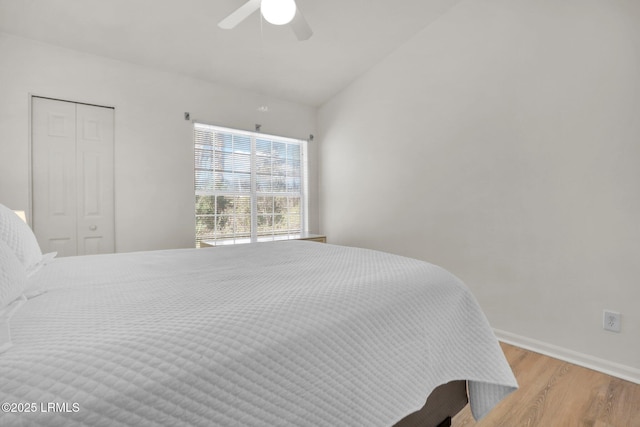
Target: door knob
{"type": "Point", "coordinates": [93, 227]}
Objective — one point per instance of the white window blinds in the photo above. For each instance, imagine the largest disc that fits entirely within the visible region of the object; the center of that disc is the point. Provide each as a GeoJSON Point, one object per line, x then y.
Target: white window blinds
{"type": "Point", "coordinates": [249, 186]}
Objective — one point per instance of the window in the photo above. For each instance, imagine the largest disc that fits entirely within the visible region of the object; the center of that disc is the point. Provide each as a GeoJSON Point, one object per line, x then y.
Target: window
{"type": "Point", "coordinates": [249, 187]}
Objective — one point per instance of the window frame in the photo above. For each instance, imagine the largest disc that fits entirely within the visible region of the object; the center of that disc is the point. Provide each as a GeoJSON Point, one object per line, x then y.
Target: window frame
{"type": "Point", "coordinates": [254, 193]}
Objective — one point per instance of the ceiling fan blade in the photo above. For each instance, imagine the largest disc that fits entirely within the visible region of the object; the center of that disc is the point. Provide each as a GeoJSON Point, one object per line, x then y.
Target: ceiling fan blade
{"type": "Point", "coordinates": [239, 15]}
{"type": "Point", "coordinates": [300, 26]}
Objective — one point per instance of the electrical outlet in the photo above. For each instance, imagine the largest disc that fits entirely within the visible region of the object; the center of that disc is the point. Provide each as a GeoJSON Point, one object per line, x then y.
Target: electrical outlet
{"type": "Point", "coordinates": [611, 321]}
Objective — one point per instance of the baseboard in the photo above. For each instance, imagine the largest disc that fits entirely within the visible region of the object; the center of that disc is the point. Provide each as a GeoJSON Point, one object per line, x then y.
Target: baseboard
{"type": "Point", "coordinates": [610, 368]}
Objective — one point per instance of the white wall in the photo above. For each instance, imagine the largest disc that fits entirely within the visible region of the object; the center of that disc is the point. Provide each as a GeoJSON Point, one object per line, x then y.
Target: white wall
{"type": "Point", "coordinates": [503, 143]}
{"type": "Point", "coordinates": [153, 143]}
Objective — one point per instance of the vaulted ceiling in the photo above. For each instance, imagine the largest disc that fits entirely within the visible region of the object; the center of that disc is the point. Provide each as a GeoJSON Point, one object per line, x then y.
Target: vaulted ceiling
{"type": "Point", "coordinates": [350, 36]}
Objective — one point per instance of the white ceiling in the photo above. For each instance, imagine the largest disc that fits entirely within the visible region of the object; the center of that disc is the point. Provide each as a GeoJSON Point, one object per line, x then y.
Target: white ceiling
{"type": "Point", "coordinates": [182, 36]}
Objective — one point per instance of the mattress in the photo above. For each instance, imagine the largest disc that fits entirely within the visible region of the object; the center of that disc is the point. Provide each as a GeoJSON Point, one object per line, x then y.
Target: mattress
{"type": "Point", "coordinates": [283, 333]}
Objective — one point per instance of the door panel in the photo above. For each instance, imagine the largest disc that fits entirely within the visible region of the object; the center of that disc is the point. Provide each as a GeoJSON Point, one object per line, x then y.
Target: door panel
{"type": "Point", "coordinates": [54, 170]}
{"type": "Point", "coordinates": [92, 245]}
{"type": "Point", "coordinates": [91, 184]}
{"type": "Point", "coordinates": [95, 179]}
{"type": "Point", "coordinates": [58, 170]}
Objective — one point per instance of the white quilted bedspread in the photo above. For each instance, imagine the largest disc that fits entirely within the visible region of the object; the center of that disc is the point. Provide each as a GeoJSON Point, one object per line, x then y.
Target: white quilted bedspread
{"type": "Point", "coordinates": [271, 334]}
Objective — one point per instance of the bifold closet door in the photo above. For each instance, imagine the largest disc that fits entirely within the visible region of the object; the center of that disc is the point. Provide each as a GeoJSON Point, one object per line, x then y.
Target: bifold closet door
{"type": "Point", "coordinates": [72, 177]}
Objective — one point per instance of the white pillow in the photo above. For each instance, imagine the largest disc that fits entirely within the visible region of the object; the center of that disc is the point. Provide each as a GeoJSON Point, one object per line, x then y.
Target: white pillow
{"type": "Point", "coordinates": [13, 276]}
{"type": "Point", "coordinates": [19, 237]}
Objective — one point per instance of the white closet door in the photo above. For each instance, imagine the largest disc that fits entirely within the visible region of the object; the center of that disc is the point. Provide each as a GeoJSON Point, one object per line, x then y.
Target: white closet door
{"type": "Point", "coordinates": [54, 175]}
{"type": "Point", "coordinates": [72, 168]}
{"type": "Point", "coordinates": [94, 171]}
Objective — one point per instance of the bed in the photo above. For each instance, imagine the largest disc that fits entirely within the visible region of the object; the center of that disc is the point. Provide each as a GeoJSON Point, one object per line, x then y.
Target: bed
{"type": "Point", "coordinates": [290, 333]}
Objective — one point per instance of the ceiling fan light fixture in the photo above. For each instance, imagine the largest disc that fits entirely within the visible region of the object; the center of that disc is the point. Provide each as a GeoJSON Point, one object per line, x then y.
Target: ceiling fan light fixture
{"type": "Point", "coordinates": [278, 12]}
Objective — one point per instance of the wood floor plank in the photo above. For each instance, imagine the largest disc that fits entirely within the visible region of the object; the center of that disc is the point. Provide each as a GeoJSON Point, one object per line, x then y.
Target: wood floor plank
{"type": "Point", "coordinates": [554, 393]}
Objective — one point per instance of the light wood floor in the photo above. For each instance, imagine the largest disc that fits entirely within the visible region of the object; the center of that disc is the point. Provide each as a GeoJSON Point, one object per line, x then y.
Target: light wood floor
{"type": "Point", "coordinates": [554, 393]}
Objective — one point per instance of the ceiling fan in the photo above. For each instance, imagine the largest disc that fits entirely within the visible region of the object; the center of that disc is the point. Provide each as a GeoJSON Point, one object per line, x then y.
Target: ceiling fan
{"type": "Point", "coordinates": [277, 12]}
